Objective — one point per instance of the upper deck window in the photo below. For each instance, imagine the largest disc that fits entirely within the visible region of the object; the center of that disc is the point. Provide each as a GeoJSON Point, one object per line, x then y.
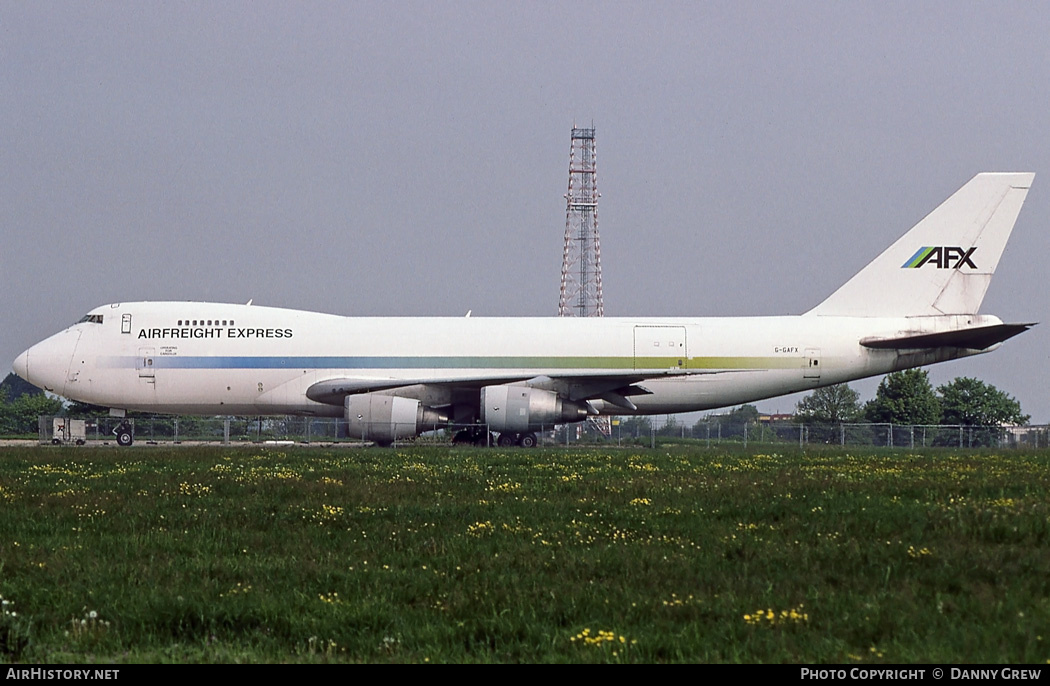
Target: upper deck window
{"type": "Point", "coordinates": [91, 318]}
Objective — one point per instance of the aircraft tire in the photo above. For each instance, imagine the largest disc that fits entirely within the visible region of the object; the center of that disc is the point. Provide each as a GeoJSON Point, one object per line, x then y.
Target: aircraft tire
{"type": "Point", "coordinates": [125, 438]}
{"type": "Point", "coordinates": [527, 440]}
{"type": "Point", "coordinates": [507, 439]}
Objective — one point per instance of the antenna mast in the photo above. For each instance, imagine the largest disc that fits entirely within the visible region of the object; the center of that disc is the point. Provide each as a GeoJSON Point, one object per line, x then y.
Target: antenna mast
{"type": "Point", "coordinates": [581, 265]}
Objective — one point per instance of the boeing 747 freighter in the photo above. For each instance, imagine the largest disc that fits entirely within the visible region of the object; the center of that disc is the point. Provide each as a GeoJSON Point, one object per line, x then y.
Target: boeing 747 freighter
{"type": "Point", "coordinates": [392, 378]}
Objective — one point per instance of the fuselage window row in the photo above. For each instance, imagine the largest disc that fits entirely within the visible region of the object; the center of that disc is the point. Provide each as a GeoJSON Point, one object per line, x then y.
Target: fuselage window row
{"type": "Point", "coordinates": [205, 322]}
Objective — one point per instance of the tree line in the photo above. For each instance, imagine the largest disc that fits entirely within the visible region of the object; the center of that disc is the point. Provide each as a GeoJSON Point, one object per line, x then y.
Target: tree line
{"type": "Point", "coordinates": [907, 397]}
{"type": "Point", "coordinates": [903, 398]}
{"type": "Point", "coordinates": [21, 405]}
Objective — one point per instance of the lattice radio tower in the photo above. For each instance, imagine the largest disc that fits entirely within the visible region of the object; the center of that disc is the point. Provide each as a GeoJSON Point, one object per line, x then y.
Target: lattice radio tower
{"type": "Point", "coordinates": [581, 264]}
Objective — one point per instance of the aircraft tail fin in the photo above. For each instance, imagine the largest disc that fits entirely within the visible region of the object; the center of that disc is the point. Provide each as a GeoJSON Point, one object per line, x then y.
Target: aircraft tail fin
{"type": "Point", "coordinates": [944, 264]}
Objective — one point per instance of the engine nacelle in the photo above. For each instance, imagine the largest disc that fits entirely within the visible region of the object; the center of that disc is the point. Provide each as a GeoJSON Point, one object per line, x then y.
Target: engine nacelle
{"type": "Point", "coordinates": [520, 408]}
{"type": "Point", "coordinates": [386, 418]}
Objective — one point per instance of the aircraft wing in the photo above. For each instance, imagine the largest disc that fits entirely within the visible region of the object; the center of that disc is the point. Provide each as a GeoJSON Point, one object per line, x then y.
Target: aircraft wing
{"type": "Point", "coordinates": [614, 386]}
{"type": "Point", "coordinates": [979, 338]}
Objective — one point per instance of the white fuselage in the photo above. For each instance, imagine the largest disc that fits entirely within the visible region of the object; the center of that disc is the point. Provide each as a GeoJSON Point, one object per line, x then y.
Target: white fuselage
{"type": "Point", "coordinates": [209, 358]}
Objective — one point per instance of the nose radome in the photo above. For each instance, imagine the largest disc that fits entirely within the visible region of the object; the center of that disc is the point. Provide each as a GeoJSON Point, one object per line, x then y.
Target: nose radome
{"type": "Point", "coordinates": [21, 366]}
{"type": "Point", "coordinates": [51, 360]}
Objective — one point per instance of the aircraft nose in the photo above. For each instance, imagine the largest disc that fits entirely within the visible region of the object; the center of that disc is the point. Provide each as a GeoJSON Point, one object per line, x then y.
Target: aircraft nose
{"type": "Point", "coordinates": [21, 366]}
{"type": "Point", "coordinates": [51, 361]}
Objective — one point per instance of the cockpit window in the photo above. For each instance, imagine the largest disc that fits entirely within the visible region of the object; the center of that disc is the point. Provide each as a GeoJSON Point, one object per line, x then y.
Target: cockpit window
{"type": "Point", "coordinates": [91, 319]}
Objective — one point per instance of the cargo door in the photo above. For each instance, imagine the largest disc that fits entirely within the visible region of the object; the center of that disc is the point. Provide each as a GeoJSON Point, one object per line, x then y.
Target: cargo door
{"type": "Point", "coordinates": [660, 347]}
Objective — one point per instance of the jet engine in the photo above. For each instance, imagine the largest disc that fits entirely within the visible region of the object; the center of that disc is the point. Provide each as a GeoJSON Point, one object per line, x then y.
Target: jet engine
{"type": "Point", "coordinates": [386, 418]}
{"type": "Point", "coordinates": [520, 408]}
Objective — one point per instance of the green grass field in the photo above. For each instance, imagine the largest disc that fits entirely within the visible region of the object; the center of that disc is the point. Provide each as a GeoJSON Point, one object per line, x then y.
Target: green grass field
{"type": "Point", "coordinates": [588, 555]}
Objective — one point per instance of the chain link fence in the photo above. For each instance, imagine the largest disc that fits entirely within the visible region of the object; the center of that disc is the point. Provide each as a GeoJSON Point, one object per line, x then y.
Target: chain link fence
{"type": "Point", "coordinates": [860, 434]}
{"type": "Point", "coordinates": [312, 430]}
{"type": "Point", "coordinates": [162, 429]}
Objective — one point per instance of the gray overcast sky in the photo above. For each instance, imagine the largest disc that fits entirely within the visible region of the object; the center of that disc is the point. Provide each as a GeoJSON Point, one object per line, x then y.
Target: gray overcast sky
{"type": "Point", "coordinates": [411, 158]}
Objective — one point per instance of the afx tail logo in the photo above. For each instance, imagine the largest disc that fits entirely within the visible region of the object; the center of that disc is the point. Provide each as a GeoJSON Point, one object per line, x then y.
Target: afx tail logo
{"type": "Point", "coordinates": [942, 257]}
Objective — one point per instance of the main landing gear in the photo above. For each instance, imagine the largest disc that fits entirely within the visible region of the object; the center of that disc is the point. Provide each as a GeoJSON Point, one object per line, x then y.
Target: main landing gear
{"type": "Point", "coordinates": [478, 437]}
{"type": "Point", "coordinates": [525, 440]}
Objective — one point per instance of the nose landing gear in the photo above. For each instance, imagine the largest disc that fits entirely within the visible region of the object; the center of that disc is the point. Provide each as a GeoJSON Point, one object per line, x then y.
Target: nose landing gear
{"type": "Point", "coordinates": [125, 434]}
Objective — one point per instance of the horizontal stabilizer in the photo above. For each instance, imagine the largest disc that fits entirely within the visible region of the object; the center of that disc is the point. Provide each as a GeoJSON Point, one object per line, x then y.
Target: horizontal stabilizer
{"type": "Point", "coordinates": [980, 338]}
